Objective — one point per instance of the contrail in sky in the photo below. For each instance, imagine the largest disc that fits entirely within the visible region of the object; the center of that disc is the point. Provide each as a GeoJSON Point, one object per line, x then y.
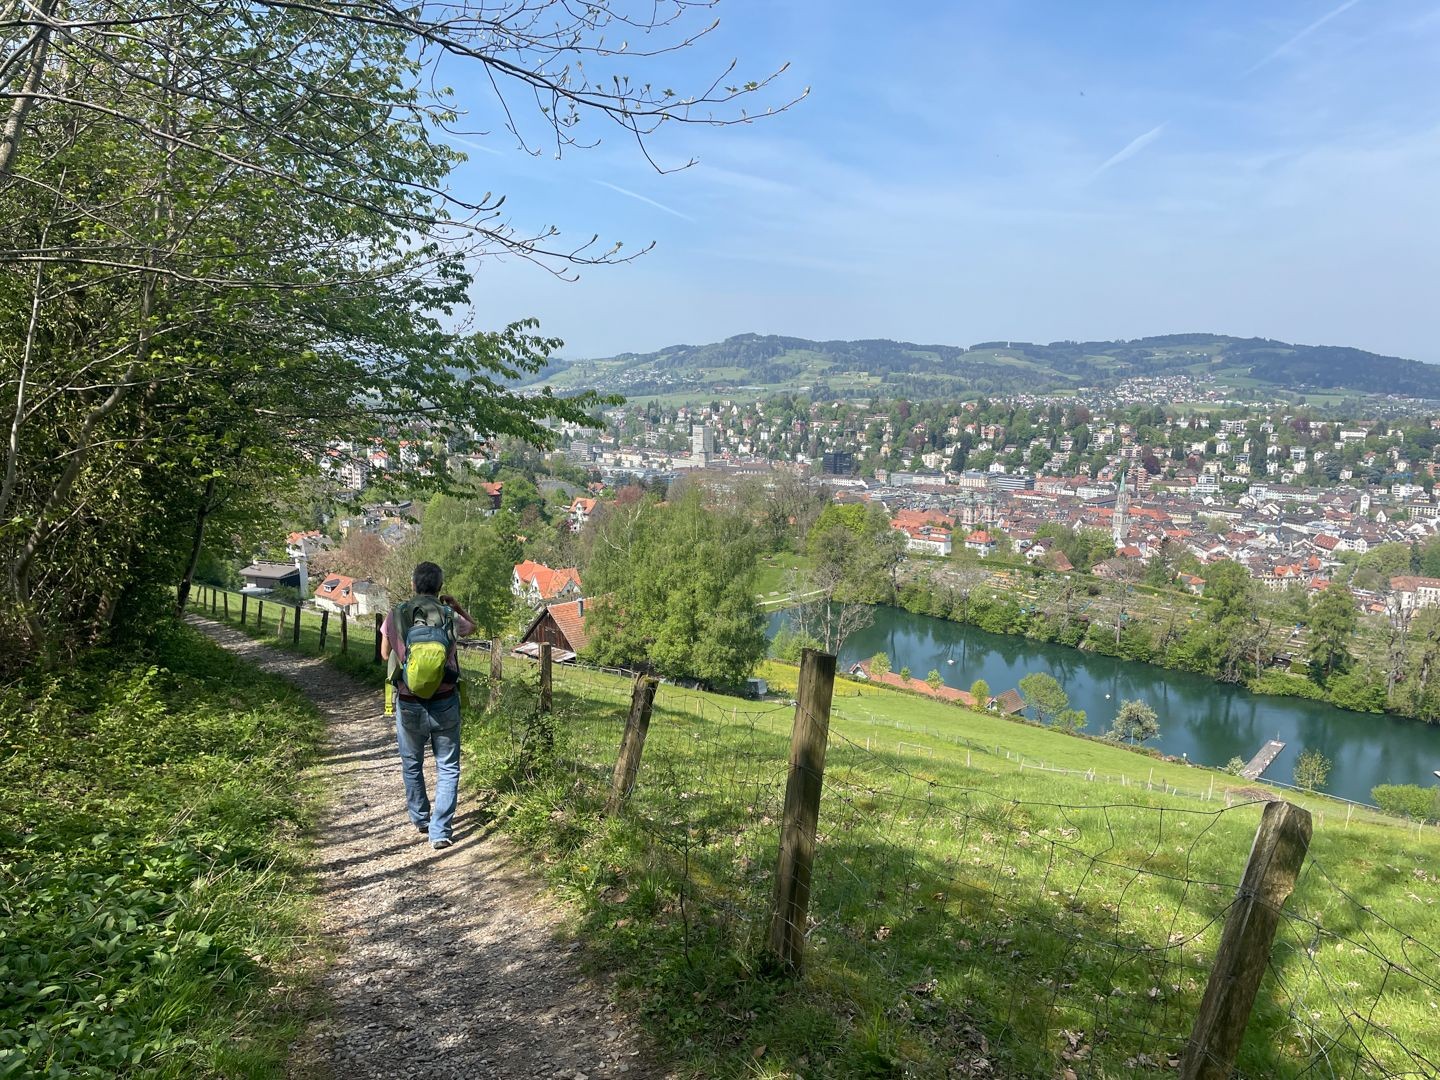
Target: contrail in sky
{"type": "Point", "coordinates": [473, 145]}
{"type": "Point", "coordinates": [1290, 42]}
{"type": "Point", "coordinates": [644, 199]}
{"type": "Point", "coordinates": [1133, 147]}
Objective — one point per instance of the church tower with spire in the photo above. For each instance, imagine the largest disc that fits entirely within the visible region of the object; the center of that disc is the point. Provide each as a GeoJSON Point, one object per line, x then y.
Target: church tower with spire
{"type": "Point", "coordinates": [1119, 522]}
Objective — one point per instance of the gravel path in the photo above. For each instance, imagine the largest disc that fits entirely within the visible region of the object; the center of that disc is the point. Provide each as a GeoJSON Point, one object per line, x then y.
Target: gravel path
{"type": "Point", "coordinates": [447, 963]}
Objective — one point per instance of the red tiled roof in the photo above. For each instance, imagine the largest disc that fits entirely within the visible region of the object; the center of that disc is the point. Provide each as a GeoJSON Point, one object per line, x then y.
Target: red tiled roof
{"type": "Point", "coordinates": [570, 618]}
{"type": "Point", "coordinates": [979, 536]}
{"type": "Point", "coordinates": [338, 589]}
{"type": "Point", "coordinates": [920, 686]}
{"type": "Point", "coordinates": [547, 581]}
{"type": "Point", "coordinates": [904, 519]}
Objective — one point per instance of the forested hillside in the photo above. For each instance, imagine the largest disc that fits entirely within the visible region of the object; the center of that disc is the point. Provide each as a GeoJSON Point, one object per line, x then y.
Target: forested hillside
{"type": "Point", "coordinates": [902, 368]}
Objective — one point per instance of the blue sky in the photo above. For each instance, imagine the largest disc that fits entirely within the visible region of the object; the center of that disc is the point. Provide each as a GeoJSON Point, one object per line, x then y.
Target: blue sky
{"type": "Point", "coordinates": [1034, 170]}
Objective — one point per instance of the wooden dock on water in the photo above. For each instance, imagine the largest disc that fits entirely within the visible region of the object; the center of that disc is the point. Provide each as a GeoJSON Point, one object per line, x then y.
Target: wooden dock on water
{"type": "Point", "coordinates": [1261, 761]}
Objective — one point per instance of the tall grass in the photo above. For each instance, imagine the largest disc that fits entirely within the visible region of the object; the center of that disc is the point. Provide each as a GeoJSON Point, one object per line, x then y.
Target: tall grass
{"type": "Point", "coordinates": [153, 904]}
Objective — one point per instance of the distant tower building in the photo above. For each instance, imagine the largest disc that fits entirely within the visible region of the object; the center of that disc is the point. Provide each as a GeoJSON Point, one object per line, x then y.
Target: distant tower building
{"type": "Point", "coordinates": [1120, 524]}
{"type": "Point", "coordinates": [702, 443]}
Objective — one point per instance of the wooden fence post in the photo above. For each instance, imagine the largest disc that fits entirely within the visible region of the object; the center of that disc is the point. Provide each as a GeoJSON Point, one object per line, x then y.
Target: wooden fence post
{"type": "Point", "coordinates": [324, 628]}
{"type": "Point", "coordinates": [808, 739]}
{"type": "Point", "coordinates": [225, 598]}
{"type": "Point", "coordinates": [259, 614]}
{"type": "Point", "coordinates": [344, 633]}
{"type": "Point", "coordinates": [244, 607]}
{"type": "Point", "coordinates": [212, 600]}
{"type": "Point", "coordinates": [295, 630]}
{"type": "Point", "coordinates": [379, 620]}
{"type": "Point", "coordinates": [632, 743]}
{"type": "Point", "coordinates": [1244, 952]}
{"type": "Point", "coordinates": [497, 670]}
{"type": "Point", "coordinates": [280, 626]}
{"type": "Point", "coordinates": [545, 676]}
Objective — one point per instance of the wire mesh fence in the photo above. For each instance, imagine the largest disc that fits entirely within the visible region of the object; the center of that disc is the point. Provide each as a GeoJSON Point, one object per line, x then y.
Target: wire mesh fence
{"type": "Point", "coordinates": [969, 922]}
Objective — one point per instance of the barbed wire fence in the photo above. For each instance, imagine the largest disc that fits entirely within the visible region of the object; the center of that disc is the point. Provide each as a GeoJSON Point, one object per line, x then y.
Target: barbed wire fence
{"type": "Point", "coordinates": [1009, 935]}
{"type": "Point", "coordinates": [1019, 937]}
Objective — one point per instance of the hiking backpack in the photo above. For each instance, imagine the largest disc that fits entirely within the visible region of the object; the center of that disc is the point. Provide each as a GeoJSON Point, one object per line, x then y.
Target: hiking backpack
{"type": "Point", "coordinates": [428, 629]}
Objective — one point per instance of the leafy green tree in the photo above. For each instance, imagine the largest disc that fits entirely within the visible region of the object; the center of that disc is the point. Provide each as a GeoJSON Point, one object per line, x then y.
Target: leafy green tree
{"type": "Point", "coordinates": [880, 664]}
{"type": "Point", "coordinates": [1312, 769]}
{"type": "Point", "coordinates": [1333, 618]}
{"type": "Point", "coordinates": [1070, 720]}
{"type": "Point", "coordinates": [1136, 722]}
{"type": "Point", "coordinates": [935, 680]}
{"type": "Point", "coordinates": [905, 673]}
{"type": "Point", "coordinates": [980, 691]}
{"type": "Point", "coordinates": [1230, 586]}
{"type": "Point", "coordinates": [674, 591]}
{"type": "Point", "coordinates": [477, 554]}
{"type": "Point", "coordinates": [229, 257]}
{"type": "Point", "coordinates": [1235, 766]}
{"type": "Point", "coordinates": [1044, 695]}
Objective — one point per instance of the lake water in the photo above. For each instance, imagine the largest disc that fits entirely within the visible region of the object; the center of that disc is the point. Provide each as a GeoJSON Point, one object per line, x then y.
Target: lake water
{"type": "Point", "coordinates": [1208, 721]}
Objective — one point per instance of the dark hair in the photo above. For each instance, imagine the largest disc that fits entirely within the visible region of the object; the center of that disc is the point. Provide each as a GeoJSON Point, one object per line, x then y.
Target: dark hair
{"type": "Point", "coordinates": [427, 579]}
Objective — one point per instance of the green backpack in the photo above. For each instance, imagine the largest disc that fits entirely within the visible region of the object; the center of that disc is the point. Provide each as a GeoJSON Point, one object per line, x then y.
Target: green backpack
{"type": "Point", "coordinates": [428, 629]}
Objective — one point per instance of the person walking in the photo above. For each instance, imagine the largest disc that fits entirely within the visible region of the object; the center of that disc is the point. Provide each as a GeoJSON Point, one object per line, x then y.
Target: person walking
{"type": "Point", "coordinates": [421, 634]}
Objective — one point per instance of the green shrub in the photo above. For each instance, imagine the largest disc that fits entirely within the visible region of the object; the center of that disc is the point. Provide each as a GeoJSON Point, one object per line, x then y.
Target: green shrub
{"type": "Point", "coordinates": [1356, 692]}
{"type": "Point", "coordinates": [1278, 682]}
{"type": "Point", "coordinates": [1409, 800]}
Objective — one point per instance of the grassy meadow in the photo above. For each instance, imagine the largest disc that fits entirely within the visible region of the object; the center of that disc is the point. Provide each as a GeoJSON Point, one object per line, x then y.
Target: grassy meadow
{"type": "Point", "coordinates": [156, 913]}
{"type": "Point", "coordinates": [990, 897]}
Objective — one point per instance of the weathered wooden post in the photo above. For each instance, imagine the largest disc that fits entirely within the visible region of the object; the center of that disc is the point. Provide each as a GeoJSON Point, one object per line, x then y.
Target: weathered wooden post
{"type": "Point", "coordinates": [280, 626]}
{"type": "Point", "coordinates": [379, 620]}
{"type": "Point", "coordinates": [225, 599]}
{"type": "Point", "coordinates": [260, 614]}
{"type": "Point", "coordinates": [545, 676]}
{"type": "Point", "coordinates": [808, 739]}
{"type": "Point", "coordinates": [324, 628]}
{"type": "Point", "coordinates": [497, 670]}
{"type": "Point", "coordinates": [1244, 952]}
{"type": "Point", "coordinates": [295, 630]}
{"type": "Point", "coordinates": [632, 743]}
{"type": "Point", "coordinates": [344, 633]}
{"type": "Point", "coordinates": [244, 607]}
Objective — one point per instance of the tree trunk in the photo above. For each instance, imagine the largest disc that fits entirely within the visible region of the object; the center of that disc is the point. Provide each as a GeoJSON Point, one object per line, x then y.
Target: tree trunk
{"type": "Point", "coordinates": [202, 514]}
{"type": "Point", "coordinates": [25, 99]}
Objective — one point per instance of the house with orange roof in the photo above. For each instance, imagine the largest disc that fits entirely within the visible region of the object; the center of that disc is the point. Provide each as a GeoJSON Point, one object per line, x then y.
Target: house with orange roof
{"type": "Point", "coordinates": [924, 539]}
{"type": "Point", "coordinates": [354, 597]}
{"type": "Point", "coordinates": [580, 512]}
{"type": "Point", "coordinates": [561, 626]}
{"type": "Point", "coordinates": [537, 583]}
{"type": "Point", "coordinates": [980, 542]}
{"type": "Point", "coordinates": [493, 495]}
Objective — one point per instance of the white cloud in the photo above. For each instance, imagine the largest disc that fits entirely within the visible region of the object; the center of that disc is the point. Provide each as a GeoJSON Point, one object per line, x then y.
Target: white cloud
{"type": "Point", "coordinates": [644, 198]}
{"type": "Point", "coordinates": [1130, 149]}
{"type": "Point", "coordinates": [1296, 38]}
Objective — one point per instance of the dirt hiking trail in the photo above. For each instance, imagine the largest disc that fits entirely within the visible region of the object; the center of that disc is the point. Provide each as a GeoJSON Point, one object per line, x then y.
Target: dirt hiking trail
{"type": "Point", "coordinates": [447, 963]}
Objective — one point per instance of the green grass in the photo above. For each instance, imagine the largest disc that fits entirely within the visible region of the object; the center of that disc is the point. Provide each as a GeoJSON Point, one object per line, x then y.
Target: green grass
{"type": "Point", "coordinates": [968, 904]}
{"type": "Point", "coordinates": [974, 906]}
{"type": "Point", "coordinates": [776, 573]}
{"type": "Point", "coordinates": [156, 916]}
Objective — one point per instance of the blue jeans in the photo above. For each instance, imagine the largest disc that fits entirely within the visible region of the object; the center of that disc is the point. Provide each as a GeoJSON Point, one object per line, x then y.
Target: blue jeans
{"type": "Point", "coordinates": [436, 724]}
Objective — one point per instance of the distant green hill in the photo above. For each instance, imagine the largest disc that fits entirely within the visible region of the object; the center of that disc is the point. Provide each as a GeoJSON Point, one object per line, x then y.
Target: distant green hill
{"type": "Point", "coordinates": [768, 362]}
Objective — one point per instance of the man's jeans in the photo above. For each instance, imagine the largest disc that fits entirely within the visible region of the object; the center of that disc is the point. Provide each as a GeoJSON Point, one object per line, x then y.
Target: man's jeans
{"type": "Point", "coordinates": [436, 724]}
